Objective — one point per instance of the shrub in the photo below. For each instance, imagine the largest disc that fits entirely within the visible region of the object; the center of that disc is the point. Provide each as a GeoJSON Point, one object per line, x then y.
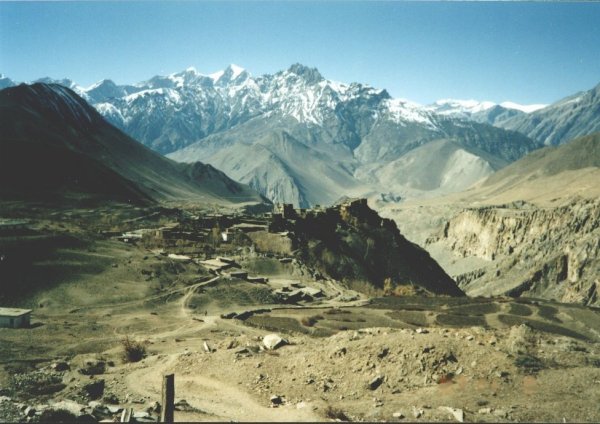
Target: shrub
{"type": "Point", "coordinates": [529, 364]}
{"type": "Point", "coordinates": [335, 414]}
{"type": "Point", "coordinates": [133, 351]}
{"type": "Point", "coordinates": [311, 320]}
{"type": "Point", "coordinates": [404, 291]}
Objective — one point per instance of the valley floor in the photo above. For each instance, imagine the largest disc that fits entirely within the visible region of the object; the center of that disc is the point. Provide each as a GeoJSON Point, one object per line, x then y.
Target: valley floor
{"type": "Point", "coordinates": [347, 357]}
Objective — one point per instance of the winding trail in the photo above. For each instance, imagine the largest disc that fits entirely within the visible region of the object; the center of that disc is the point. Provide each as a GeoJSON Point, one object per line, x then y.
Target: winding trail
{"type": "Point", "coordinates": [216, 400]}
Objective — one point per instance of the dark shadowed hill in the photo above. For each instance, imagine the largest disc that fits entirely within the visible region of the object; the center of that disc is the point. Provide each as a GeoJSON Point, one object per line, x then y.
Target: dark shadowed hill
{"type": "Point", "coordinates": [352, 243]}
{"type": "Point", "coordinates": [55, 146]}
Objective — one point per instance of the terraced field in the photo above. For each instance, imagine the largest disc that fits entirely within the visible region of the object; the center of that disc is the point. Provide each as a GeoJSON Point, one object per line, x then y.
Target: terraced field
{"type": "Point", "coordinates": [410, 312]}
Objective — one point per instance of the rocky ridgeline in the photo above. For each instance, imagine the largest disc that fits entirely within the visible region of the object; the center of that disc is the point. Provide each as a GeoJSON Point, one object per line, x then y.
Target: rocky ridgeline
{"type": "Point", "coordinates": [551, 253]}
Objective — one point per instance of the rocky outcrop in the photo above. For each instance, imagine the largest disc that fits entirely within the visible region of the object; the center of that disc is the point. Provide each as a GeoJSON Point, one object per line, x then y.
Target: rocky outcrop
{"type": "Point", "coordinates": [544, 252]}
{"type": "Point", "coordinates": [352, 243]}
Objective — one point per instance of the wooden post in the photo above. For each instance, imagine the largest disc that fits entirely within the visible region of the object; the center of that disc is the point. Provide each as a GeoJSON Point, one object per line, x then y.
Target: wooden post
{"type": "Point", "coordinates": [168, 399]}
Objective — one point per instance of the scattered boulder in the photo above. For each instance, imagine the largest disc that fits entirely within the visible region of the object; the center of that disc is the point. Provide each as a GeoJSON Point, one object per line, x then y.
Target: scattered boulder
{"type": "Point", "coordinates": [114, 409]}
{"type": "Point", "coordinates": [207, 348]}
{"type": "Point", "coordinates": [276, 400]}
{"type": "Point", "coordinates": [141, 414]}
{"type": "Point", "coordinates": [500, 413]}
{"type": "Point", "coordinates": [100, 411]}
{"type": "Point", "coordinates": [457, 413]}
{"type": "Point", "coordinates": [60, 366]}
{"type": "Point", "coordinates": [182, 405]}
{"type": "Point", "coordinates": [111, 398]}
{"type": "Point", "coordinates": [233, 343]}
{"type": "Point", "coordinates": [417, 413]}
{"type": "Point", "coordinates": [93, 368]}
{"type": "Point", "coordinates": [398, 415]}
{"type": "Point", "coordinates": [274, 341]}
{"type": "Point", "coordinates": [95, 389]}
{"type": "Point", "coordinates": [29, 411]}
{"type": "Point", "coordinates": [375, 383]}
{"type": "Point", "coordinates": [70, 406]}
{"type": "Point", "coordinates": [384, 352]}
{"type": "Point", "coordinates": [339, 352]}
{"type": "Point", "coordinates": [421, 331]}
{"type": "Point", "coordinates": [154, 408]}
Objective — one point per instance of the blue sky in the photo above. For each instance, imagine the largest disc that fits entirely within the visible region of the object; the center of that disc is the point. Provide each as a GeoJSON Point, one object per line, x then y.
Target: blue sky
{"type": "Point", "coordinates": [524, 52]}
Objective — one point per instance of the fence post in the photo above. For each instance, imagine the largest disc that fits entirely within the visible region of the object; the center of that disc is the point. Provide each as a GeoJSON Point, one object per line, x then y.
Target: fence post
{"type": "Point", "coordinates": [168, 398]}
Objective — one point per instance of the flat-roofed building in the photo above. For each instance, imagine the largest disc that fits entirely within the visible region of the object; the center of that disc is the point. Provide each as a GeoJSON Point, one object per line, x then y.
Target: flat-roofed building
{"type": "Point", "coordinates": [15, 318]}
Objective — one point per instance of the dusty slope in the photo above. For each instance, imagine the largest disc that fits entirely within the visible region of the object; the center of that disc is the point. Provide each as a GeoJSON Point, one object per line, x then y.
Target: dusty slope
{"type": "Point", "coordinates": [496, 360]}
{"type": "Point", "coordinates": [436, 168]}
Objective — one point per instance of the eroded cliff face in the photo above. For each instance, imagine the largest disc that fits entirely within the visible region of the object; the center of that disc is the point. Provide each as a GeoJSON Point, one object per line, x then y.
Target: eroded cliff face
{"type": "Point", "coordinates": [549, 252]}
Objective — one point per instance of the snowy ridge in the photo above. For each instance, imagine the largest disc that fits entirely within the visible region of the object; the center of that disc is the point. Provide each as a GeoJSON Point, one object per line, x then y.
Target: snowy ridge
{"type": "Point", "coordinates": [109, 111]}
{"type": "Point", "coordinates": [454, 106]}
{"type": "Point", "coordinates": [299, 92]}
{"type": "Point", "coordinates": [467, 108]}
{"type": "Point", "coordinates": [168, 94]}
{"type": "Point", "coordinates": [300, 138]}
{"type": "Point", "coordinates": [402, 111]}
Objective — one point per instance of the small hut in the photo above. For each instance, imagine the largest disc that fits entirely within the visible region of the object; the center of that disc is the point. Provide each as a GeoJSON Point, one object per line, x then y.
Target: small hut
{"type": "Point", "coordinates": [15, 318]}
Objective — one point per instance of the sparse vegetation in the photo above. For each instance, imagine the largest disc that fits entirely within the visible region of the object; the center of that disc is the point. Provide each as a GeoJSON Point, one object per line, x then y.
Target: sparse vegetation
{"type": "Point", "coordinates": [529, 364]}
{"type": "Point", "coordinates": [335, 311]}
{"type": "Point", "coordinates": [540, 326]}
{"type": "Point", "coordinates": [520, 309]}
{"type": "Point", "coordinates": [461, 320]}
{"type": "Point", "coordinates": [391, 288]}
{"type": "Point", "coordinates": [410, 317]}
{"type": "Point", "coordinates": [548, 312]}
{"type": "Point", "coordinates": [310, 321]}
{"type": "Point", "coordinates": [133, 351]}
{"type": "Point", "coordinates": [477, 309]}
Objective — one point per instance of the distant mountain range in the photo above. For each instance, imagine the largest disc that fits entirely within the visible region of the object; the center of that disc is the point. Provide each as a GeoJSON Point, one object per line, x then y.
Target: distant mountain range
{"type": "Point", "coordinates": [54, 146]}
{"type": "Point", "coordinates": [572, 117]}
{"type": "Point", "coordinates": [297, 137]}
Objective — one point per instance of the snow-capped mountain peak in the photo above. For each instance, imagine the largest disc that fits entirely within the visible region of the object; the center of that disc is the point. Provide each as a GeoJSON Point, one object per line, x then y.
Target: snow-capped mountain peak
{"type": "Point", "coordinates": [230, 74]}
{"type": "Point", "coordinates": [234, 70]}
{"type": "Point", "coordinates": [466, 108]}
{"type": "Point", "coordinates": [403, 111]}
{"type": "Point", "coordinates": [310, 75]}
{"type": "Point", "coordinates": [456, 106]}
